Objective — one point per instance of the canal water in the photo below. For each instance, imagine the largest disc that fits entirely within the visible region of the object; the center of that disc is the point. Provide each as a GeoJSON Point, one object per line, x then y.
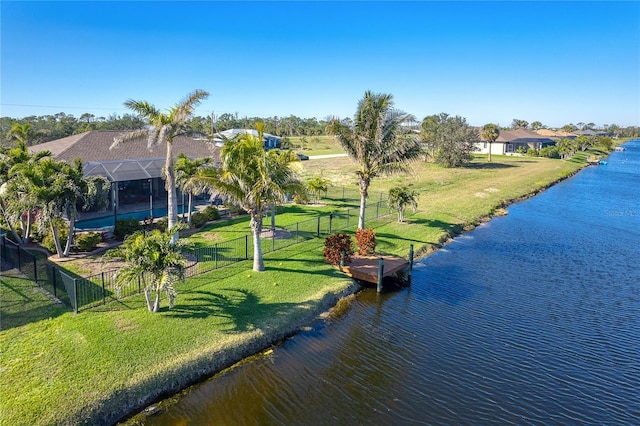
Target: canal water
{"type": "Point", "coordinates": [533, 318]}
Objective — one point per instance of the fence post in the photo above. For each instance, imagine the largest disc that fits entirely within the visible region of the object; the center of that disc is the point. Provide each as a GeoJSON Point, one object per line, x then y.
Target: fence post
{"type": "Point", "coordinates": [215, 256]}
{"type": "Point", "coordinates": [104, 296]}
{"type": "Point", "coordinates": [377, 209]}
{"type": "Point", "coordinates": [318, 232]}
{"type": "Point", "coordinates": [35, 269]}
{"type": "Point", "coordinates": [246, 247]}
{"type": "Point", "coordinates": [55, 284]}
{"type": "Point", "coordinates": [330, 221]}
{"type": "Point", "coordinates": [348, 218]}
{"type": "Point", "coordinates": [75, 295]}
{"type": "Point", "coordinates": [297, 232]}
{"type": "Point", "coordinates": [138, 284]}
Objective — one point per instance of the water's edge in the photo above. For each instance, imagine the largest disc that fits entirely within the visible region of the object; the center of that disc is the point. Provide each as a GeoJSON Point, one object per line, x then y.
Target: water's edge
{"type": "Point", "coordinates": [203, 369]}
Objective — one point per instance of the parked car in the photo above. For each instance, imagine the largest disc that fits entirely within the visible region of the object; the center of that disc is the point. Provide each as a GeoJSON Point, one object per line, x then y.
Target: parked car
{"type": "Point", "coordinates": [302, 157]}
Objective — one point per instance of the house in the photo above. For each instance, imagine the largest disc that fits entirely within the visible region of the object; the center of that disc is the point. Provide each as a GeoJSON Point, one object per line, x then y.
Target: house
{"type": "Point", "coordinates": [270, 141]}
{"type": "Point", "coordinates": [133, 171]}
{"type": "Point", "coordinates": [510, 141]}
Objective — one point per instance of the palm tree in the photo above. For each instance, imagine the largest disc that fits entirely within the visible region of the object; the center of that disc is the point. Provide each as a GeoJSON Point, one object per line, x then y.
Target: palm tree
{"type": "Point", "coordinates": [21, 133]}
{"type": "Point", "coordinates": [252, 179]}
{"type": "Point", "coordinates": [318, 185]}
{"type": "Point", "coordinates": [155, 258]}
{"type": "Point", "coordinates": [186, 170]}
{"type": "Point", "coordinates": [163, 128]}
{"type": "Point", "coordinates": [490, 133]}
{"type": "Point", "coordinates": [402, 197]}
{"type": "Point", "coordinates": [376, 142]}
{"type": "Point", "coordinates": [11, 193]}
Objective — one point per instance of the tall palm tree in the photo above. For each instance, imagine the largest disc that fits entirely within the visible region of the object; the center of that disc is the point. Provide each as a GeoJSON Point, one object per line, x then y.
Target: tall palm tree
{"type": "Point", "coordinates": [401, 197]}
{"type": "Point", "coordinates": [490, 133]}
{"type": "Point", "coordinates": [186, 170]}
{"type": "Point", "coordinates": [252, 179]}
{"type": "Point", "coordinates": [376, 142]}
{"type": "Point", "coordinates": [155, 258]}
{"type": "Point", "coordinates": [21, 133]}
{"type": "Point", "coordinates": [163, 128]}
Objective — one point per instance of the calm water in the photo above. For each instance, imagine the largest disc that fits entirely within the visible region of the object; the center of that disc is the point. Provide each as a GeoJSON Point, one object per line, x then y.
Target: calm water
{"type": "Point", "coordinates": [533, 318]}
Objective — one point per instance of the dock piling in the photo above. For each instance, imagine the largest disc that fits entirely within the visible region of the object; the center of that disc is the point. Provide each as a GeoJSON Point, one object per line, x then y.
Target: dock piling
{"type": "Point", "coordinates": [380, 274]}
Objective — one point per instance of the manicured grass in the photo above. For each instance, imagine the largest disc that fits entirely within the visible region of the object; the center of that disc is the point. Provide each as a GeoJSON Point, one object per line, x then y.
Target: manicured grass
{"type": "Point", "coordinates": [315, 145]}
{"type": "Point", "coordinates": [61, 368]}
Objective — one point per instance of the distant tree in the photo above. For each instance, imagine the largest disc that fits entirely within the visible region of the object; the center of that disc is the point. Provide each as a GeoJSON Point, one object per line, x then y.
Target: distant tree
{"type": "Point", "coordinates": [318, 185]}
{"type": "Point", "coordinates": [537, 125]}
{"type": "Point", "coordinates": [606, 142]}
{"type": "Point", "coordinates": [163, 128]}
{"type": "Point", "coordinates": [22, 133]}
{"type": "Point", "coordinates": [569, 128]}
{"type": "Point", "coordinates": [451, 139]}
{"type": "Point", "coordinates": [581, 126]}
{"type": "Point", "coordinates": [155, 259]}
{"type": "Point", "coordinates": [519, 124]}
{"type": "Point", "coordinates": [401, 197]}
{"type": "Point", "coordinates": [376, 142]}
{"type": "Point", "coordinates": [490, 133]}
{"type": "Point", "coordinates": [566, 147]}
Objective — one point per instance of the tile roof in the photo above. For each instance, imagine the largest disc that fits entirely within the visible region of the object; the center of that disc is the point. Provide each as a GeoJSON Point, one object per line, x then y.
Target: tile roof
{"type": "Point", "coordinates": [94, 146]}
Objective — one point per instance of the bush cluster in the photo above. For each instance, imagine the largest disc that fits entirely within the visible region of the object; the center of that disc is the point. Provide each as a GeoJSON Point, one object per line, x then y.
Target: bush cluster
{"type": "Point", "coordinates": [87, 241]}
{"type": "Point", "coordinates": [198, 219]}
{"type": "Point", "coordinates": [334, 245]}
{"type": "Point", "coordinates": [366, 241]}
{"type": "Point", "coordinates": [125, 227]}
{"type": "Point", "coordinates": [211, 213]}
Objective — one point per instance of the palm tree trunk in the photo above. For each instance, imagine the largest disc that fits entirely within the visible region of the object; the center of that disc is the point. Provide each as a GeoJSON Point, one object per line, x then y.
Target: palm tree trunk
{"type": "Point", "coordinates": [27, 231]}
{"type": "Point", "coordinates": [190, 207]}
{"type": "Point", "coordinates": [364, 192]}
{"type": "Point", "coordinates": [256, 228]}
{"type": "Point", "coordinates": [147, 296]}
{"type": "Point", "coordinates": [72, 225]}
{"type": "Point", "coordinates": [56, 239]}
{"type": "Point", "coordinates": [170, 184]}
{"type": "Point", "coordinates": [489, 151]}
{"type": "Point", "coordinates": [400, 215]}
{"type": "Point", "coordinates": [7, 219]}
{"type": "Point", "coordinates": [156, 305]}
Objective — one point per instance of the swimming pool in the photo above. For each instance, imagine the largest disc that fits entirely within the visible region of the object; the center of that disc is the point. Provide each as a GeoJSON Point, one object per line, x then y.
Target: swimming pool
{"type": "Point", "coordinates": [109, 221]}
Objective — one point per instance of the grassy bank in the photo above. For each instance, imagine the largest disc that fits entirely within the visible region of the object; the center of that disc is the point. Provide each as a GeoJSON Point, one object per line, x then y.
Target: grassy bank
{"type": "Point", "coordinates": [60, 368]}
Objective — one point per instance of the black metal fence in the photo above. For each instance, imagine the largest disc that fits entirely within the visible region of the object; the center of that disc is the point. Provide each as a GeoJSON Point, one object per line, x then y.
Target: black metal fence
{"type": "Point", "coordinates": [80, 293]}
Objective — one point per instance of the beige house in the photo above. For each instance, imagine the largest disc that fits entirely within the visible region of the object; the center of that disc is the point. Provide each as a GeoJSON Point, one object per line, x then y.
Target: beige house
{"type": "Point", "coordinates": [509, 141]}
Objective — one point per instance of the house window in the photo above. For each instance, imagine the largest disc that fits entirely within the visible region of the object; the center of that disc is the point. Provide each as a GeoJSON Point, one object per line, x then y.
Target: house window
{"type": "Point", "coordinates": [485, 145]}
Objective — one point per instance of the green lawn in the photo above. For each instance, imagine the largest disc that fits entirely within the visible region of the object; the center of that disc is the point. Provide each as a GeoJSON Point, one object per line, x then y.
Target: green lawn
{"type": "Point", "coordinates": [61, 368]}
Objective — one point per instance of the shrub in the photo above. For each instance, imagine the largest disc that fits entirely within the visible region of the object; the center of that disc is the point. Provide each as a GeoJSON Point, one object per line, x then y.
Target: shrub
{"type": "Point", "coordinates": [549, 152]}
{"type": "Point", "coordinates": [301, 198]}
{"type": "Point", "coordinates": [162, 224]}
{"type": "Point", "coordinates": [211, 213]}
{"type": "Point", "coordinates": [334, 245]}
{"type": "Point", "coordinates": [366, 241]}
{"type": "Point", "coordinates": [87, 241]}
{"type": "Point", "coordinates": [198, 219]}
{"type": "Point", "coordinates": [532, 152]}
{"type": "Point", "coordinates": [125, 227]}
{"type": "Point", "coordinates": [63, 233]}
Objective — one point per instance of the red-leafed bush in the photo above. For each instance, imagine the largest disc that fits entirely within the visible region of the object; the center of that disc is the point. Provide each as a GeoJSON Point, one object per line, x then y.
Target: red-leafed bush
{"type": "Point", "coordinates": [366, 241]}
{"type": "Point", "coordinates": [333, 246]}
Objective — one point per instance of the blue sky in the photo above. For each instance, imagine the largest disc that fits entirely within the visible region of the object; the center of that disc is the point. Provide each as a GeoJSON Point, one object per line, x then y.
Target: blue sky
{"type": "Point", "coordinates": [554, 62]}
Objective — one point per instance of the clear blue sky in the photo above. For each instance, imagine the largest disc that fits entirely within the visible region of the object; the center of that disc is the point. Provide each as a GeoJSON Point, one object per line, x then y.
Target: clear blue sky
{"type": "Point", "coordinates": [554, 62]}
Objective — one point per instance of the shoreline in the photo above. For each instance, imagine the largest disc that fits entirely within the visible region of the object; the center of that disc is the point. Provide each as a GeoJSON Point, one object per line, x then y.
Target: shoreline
{"type": "Point", "coordinates": [194, 374]}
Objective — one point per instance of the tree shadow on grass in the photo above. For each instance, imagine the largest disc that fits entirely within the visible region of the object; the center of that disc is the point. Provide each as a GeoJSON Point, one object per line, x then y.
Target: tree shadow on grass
{"type": "Point", "coordinates": [243, 310]}
{"type": "Point", "coordinates": [23, 302]}
{"type": "Point", "coordinates": [489, 166]}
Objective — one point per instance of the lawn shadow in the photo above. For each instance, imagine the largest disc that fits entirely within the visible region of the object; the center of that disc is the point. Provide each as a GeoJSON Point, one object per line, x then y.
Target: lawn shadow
{"type": "Point", "coordinates": [242, 308]}
{"type": "Point", "coordinates": [23, 302]}
{"type": "Point", "coordinates": [488, 166]}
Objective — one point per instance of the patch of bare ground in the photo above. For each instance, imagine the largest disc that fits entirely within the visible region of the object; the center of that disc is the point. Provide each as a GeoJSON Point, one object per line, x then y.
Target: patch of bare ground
{"type": "Point", "coordinates": [277, 234]}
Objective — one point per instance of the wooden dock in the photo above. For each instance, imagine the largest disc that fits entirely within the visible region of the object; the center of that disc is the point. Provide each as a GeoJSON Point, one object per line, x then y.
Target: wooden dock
{"type": "Point", "coordinates": [365, 268]}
